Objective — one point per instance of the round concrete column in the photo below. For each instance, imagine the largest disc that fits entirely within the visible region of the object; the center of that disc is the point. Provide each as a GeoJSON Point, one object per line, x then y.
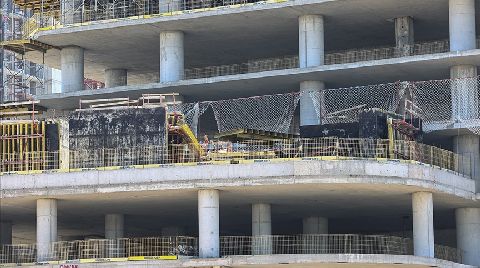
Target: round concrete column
{"type": "Point", "coordinates": [311, 50]}
{"type": "Point", "coordinates": [171, 56]}
{"type": "Point", "coordinates": [46, 227]}
{"type": "Point", "coordinates": [315, 225]}
{"type": "Point", "coordinates": [468, 234]}
{"type": "Point", "coordinates": [208, 223]}
{"type": "Point", "coordinates": [261, 229]}
{"type": "Point", "coordinates": [72, 64]}
{"type": "Point", "coordinates": [423, 242]}
{"type": "Point", "coordinates": [5, 233]}
{"type": "Point", "coordinates": [114, 226]}
{"type": "Point", "coordinates": [115, 77]}
{"type": "Point", "coordinates": [462, 25]}
{"type": "Point", "coordinates": [311, 41]}
{"type": "Point", "coordinates": [308, 113]}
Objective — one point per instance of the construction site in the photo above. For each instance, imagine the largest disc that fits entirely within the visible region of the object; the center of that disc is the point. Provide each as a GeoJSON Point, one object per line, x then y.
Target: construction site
{"type": "Point", "coordinates": [240, 133]}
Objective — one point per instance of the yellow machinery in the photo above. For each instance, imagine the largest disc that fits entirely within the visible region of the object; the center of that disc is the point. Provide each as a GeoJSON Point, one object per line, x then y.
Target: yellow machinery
{"type": "Point", "coordinates": [179, 133]}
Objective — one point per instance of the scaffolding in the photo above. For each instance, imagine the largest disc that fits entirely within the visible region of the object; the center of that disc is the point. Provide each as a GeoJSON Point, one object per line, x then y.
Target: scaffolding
{"type": "Point", "coordinates": [20, 79]}
{"type": "Point", "coordinates": [22, 137]}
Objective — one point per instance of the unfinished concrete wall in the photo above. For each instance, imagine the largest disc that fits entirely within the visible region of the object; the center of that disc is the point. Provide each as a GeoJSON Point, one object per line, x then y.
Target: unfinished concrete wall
{"type": "Point", "coordinates": [117, 128]}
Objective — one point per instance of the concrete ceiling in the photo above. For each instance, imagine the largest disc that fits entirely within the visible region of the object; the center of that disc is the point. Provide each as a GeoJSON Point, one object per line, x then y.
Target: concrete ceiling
{"type": "Point", "coordinates": [236, 35]}
{"type": "Point", "coordinates": [351, 207]}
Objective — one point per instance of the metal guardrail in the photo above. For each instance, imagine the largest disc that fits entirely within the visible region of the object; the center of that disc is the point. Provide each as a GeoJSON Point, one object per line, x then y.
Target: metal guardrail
{"type": "Point", "coordinates": [340, 57]}
{"type": "Point", "coordinates": [326, 148]}
{"type": "Point", "coordinates": [229, 246]}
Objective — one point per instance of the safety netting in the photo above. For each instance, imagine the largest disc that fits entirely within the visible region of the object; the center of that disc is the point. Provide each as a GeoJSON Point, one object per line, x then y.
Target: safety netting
{"type": "Point", "coordinates": [441, 104]}
{"type": "Point", "coordinates": [268, 113]}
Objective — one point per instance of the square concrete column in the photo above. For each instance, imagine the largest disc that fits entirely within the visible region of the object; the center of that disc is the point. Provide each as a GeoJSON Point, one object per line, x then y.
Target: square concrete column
{"type": "Point", "coordinates": [72, 65]}
{"type": "Point", "coordinates": [209, 223]}
{"type": "Point", "coordinates": [404, 36]}
{"type": "Point", "coordinates": [261, 229]}
{"type": "Point", "coordinates": [46, 227]}
{"type": "Point", "coordinates": [422, 207]}
{"type": "Point", "coordinates": [468, 234]}
{"type": "Point", "coordinates": [171, 56]}
{"type": "Point", "coordinates": [462, 25]}
{"type": "Point", "coordinates": [115, 78]}
{"type": "Point", "coordinates": [114, 226]}
{"type": "Point", "coordinates": [311, 50]}
{"type": "Point", "coordinates": [5, 233]}
{"type": "Point", "coordinates": [311, 99]}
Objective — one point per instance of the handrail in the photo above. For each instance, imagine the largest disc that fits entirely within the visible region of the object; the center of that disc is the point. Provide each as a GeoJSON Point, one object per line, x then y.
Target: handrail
{"type": "Point", "coordinates": [323, 148]}
{"type": "Point", "coordinates": [229, 246]}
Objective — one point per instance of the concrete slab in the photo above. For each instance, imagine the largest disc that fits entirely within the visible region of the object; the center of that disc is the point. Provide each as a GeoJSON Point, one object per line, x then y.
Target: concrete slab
{"type": "Point", "coordinates": [294, 172]}
{"type": "Point", "coordinates": [294, 260]}
{"type": "Point", "coordinates": [133, 43]}
{"type": "Point", "coordinates": [422, 67]}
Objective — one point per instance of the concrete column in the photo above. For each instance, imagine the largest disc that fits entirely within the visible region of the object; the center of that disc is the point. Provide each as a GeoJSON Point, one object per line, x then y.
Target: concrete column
{"type": "Point", "coordinates": [468, 234]}
{"type": "Point", "coordinates": [5, 233]}
{"type": "Point", "coordinates": [468, 149]}
{"type": "Point", "coordinates": [311, 50]}
{"type": "Point", "coordinates": [171, 56]}
{"type": "Point", "coordinates": [46, 227]}
{"type": "Point", "coordinates": [72, 64]}
{"type": "Point", "coordinates": [115, 77]}
{"type": "Point", "coordinates": [114, 226]}
{"type": "Point", "coordinates": [422, 206]}
{"type": "Point", "coordinates": [208, 223]}
{"type": "Point", "coordinates": [404, 35]}
{"type": "Point", "coordinates": [462, 25]}
{"type": "Point", "coordinates": [261, 229]}
{"type": "Point", "coordinates": [308, 113]}
{"type": "Point", "coordinates": [315, 225]}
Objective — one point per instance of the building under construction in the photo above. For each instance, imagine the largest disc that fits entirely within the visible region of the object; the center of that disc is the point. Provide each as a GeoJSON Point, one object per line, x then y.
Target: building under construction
{"type": "Point", "coordinates": [237, 133]}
